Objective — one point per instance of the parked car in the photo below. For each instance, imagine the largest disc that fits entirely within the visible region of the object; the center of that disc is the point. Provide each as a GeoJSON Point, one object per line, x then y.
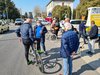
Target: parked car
{"type": "Point", "coordinates": [3, 26]}
{"type": "Point", "coordinates": [44, 22]}
{"type": "Point", "coordinates": [18, 21]}
{"type": "Point", "coordinates": [76, 23]}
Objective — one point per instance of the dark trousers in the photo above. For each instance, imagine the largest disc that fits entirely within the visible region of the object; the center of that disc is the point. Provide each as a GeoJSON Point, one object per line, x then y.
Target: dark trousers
{"type": "Point", "coordinates": [27, 43]}
{"type": "Point", "coordinates": [99, 42]}
{"type": "Point", "coordinates": [56, 32]}
{"type": "Point", "coordinates": [40, 43]}
{"type": "Point", "coordinates": [83, 36]}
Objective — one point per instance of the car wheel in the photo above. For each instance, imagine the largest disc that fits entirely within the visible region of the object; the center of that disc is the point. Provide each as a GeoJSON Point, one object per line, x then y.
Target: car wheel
{"type": "Point", "coordinates": [1, 31]}
{"type": "Point", "coordinates": [8, 29]}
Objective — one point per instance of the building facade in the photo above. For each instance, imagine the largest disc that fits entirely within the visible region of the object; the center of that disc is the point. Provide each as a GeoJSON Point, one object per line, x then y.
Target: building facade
{"type": "Point", "coordinates": [54, 3]}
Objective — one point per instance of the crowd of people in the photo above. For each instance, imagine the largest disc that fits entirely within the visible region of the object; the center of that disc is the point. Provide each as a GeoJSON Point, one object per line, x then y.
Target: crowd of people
{"type": "Point", "coordinates": [69, 40]}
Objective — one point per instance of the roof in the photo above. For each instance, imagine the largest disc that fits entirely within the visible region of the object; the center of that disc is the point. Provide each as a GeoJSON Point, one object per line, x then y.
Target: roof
{"type": "Point", "coordinates": [57, 0]}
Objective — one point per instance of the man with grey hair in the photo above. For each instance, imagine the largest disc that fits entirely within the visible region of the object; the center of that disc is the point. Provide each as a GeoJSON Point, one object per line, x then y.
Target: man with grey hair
{"type": "Point", "coordinates": [69, 46]}
{"type": "Point", "coordinates": [93, 35]}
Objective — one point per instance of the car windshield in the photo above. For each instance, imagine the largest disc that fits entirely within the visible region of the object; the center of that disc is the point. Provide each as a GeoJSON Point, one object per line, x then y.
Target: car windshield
{"type": "Point", "coordinates": [18, 20]}
{"type": "Point", "coordinates": [84, 22]}
{"type": "Point", "coordinates": [75, 22]}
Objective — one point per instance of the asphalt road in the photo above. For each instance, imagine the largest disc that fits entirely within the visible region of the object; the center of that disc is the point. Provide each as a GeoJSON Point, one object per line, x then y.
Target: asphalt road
{"type": "Point", "coordinates": [12, 61]}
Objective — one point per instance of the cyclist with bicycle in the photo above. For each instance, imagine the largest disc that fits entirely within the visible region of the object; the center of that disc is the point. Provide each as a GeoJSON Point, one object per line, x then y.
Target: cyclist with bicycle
{"type": "Point", "coordinates": [25, 34]}
{"type": "Point", "coordinates": [40, 31]}
{"type": "Point", "coordinates": [55, 26]}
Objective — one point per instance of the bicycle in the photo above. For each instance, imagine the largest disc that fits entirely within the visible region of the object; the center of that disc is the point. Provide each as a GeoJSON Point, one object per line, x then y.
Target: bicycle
{"type": "Point", "coordinates": [51, 36]}
{"type": "Point", "coordinates": [37, 56]}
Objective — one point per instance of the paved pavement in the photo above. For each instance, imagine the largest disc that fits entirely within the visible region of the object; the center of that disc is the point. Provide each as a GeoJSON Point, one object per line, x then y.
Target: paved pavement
{"type": "Point", "coordinates": [12, 61]}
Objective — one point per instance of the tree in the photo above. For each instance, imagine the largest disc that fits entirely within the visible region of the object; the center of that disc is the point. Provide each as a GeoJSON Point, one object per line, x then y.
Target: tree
{"type": "Point", "coordinates": [74, 14]}
{"type": "Point", "coordinates": [57, 11]}
{"type": "Point", "coordinates": [44, 14]}
{"type": "Point", "coordinates": [37, 11]}
{"type": "Point", "coordinates": [84, 4]}
{"type": "Point", "coordinates": [8, 6]}
{"type": "Point", "coordinates": [61, 12]}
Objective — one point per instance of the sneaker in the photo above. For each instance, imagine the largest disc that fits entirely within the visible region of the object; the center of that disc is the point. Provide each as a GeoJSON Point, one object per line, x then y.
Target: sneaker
{"type": "Point", "coordinates": [30, 62]}
{"type": "Point", "coordinates": [88, 52]}
{"type": "Point", "coordinates": [91, 53]}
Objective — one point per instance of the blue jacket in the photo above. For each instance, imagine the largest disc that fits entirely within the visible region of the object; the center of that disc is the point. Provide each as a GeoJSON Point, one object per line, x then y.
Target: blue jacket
{"type": "Point", "coordinates": [25, 31]}
{"type": "Point", "coordinates": [82, 27]}
{"type": "Point", "coordinates": [69, 43]}
{"type": "Point", "coordinates": [38, 29]}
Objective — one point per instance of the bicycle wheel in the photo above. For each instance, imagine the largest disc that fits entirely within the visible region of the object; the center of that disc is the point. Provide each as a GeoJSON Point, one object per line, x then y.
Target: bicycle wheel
{"type": "Point", "coordinates": [41, 66]}
{"type": "Point", "coordinates": [53, 37]}
{"type": "Point", "coordinates": [40, 63]}
{"type": "Point", "coordinates": [32, 56]}
{"type": "Point", "coordinates": [47, 36]}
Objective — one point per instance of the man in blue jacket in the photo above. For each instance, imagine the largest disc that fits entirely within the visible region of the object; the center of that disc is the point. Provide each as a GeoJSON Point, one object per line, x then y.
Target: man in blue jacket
{"type": "Point", "coordinates": [40, 31]}
{"type": "Point", "coordinates": [25, 34]}
{"type": "Point", "coordinates": [69, 46]}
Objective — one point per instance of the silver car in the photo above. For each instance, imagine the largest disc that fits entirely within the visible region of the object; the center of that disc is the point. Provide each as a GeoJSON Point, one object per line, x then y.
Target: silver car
{"type": "Point", "coordinates": [18, 21]}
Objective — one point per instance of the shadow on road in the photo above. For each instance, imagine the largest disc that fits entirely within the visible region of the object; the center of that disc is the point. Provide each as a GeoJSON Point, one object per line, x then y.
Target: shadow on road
{"type": "Point", "coordinates": [9, 32]}
{"type": "Point", "coordinates": [55, 57]}
{"type": "Point", "coordinates": [51, 63]}
{"type": "Point", "coordinates": [89, 66]}
{"type": "Point", "coordinates": [84, 53]}
{"type": "Point", "coordinates": [86, 67]}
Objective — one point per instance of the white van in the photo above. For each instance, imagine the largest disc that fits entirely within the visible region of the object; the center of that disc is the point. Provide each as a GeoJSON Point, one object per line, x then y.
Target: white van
{"type": "Point", "coordinates": [93, 14]}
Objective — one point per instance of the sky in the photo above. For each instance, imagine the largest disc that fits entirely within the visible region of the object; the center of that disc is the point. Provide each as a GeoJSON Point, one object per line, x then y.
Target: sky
{"type": "Point", "coordinates": [29, 5]}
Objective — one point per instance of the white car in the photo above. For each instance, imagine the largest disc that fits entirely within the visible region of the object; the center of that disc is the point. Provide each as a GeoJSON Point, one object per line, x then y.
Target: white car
{"type": "Point", "coordinates": [18, 21]}
{"type": "Point", "coordinates": [44, 22]}
{"type": "Point", "coordinates": [3, 26]}
{"type": "Point", "coordinates": [76, 23]}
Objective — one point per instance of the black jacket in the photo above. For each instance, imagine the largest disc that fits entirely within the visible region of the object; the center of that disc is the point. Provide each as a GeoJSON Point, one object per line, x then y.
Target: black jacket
{"type": "Point", "coordinates": [93, 32]}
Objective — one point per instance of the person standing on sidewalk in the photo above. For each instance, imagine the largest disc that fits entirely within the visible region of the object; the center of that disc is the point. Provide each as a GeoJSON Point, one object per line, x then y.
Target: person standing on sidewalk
{"type": "Point", "coordinates": [69, 47]}
{"type": "Point", "coordinates": [40, 31]}
{"type": "Point", "coordinates": [82, 32]}
{"type": "Point", "coordinates": [93, 35]}
{"type": "Point", "coordinates": [25, 34]}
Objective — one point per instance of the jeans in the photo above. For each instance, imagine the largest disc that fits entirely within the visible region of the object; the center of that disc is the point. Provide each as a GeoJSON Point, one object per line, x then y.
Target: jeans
{"type": "Point", "coordinates": [40, 43]}
{"type": "Point", "coordinates": [27, 43]}
{"type": "Point", "coordinates": [91, 44]}
{"type": "Point", "coordinates": [43, 45]}
{"type": "Point", "coordinates": [67, 66]}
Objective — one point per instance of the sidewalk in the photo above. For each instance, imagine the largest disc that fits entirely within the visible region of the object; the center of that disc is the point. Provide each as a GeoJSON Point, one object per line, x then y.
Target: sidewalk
{"type": "Point", "coordinates": [94, 60]}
